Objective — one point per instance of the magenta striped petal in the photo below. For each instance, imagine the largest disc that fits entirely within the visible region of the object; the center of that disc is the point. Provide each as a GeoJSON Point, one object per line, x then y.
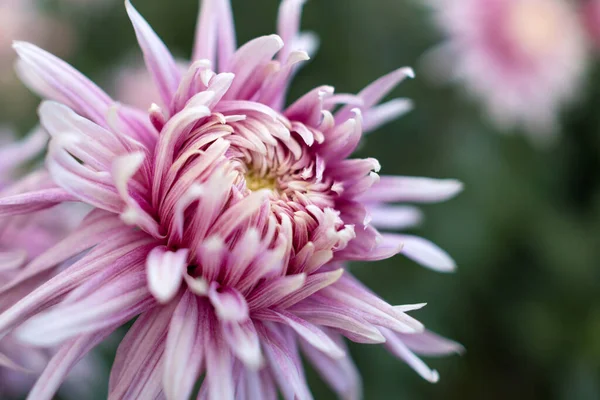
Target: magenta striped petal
{"type": "Point", "coordinates": [68, 355]}
{"type": "Point", "coordinates": [56, 80]}
{"type": "Point", "coordinates": [95, 228]}
{"type": "Point", "coordinates": [342, 319]}
{"type": "Point", "coordinates": [341, 374]}
{"type": "Point", "coordinates": [26, 203]}
{"type": "Point", "coordinates": [215, 34]}
{"type": "Point", "coordinates": [307, 331]}
{"type": "Point", "coordinates": [282, 352]}
{"type": "Point", "coordinates": [242, 338]}
{"type": "Point", "coordinates": [248, 59]}
{"type": "Point", "coordinates": [274, 291]}
{"type": "Point", "coordinates": [112, 304]}
{"type": "Point", "coordinates": [184, 351]}
{"type": "Point", "coordinates": [159, 61]}
{"type": "Point", "coordinates": [218, 380]}
{"type": "Point", "coordinates": [140, 353]}
{"type": "Point", "coordinates": [118, 252]}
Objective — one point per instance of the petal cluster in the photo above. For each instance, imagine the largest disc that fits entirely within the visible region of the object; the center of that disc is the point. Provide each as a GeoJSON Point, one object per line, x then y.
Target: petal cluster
{"type": "Point", "coordinates": [222, 219]}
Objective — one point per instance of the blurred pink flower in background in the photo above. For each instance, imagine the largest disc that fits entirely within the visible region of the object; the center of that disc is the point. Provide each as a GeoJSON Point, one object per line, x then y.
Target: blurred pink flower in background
{"type": "Point", "coordinates": [222, 219]}
{"type": "Point", "coordinates": [22, 20]}
{"type": "Point", "coordinates": [22, 239]}
{"type": "Point", "coordinates": [132, 84]}
{"type": "Point", "coordinates": [590, 13]}
{"type": "Point", "coordinates": [523, 58]}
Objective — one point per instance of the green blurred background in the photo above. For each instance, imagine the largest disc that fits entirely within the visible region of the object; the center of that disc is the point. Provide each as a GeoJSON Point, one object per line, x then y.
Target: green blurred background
{"type": "Point", "coordinates": [525, 233]}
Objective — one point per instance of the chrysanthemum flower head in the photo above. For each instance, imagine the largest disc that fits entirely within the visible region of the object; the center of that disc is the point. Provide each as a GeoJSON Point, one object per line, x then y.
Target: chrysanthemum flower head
{"type": "Point", "coordinates": [222, 218]}
{"type": "Point", "coordinates": [524, 59]}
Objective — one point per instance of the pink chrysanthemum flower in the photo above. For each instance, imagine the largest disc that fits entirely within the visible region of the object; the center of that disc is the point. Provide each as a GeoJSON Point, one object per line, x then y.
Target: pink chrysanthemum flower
{"type": "Point", "coordinates": [221, 219]}
{"type": "Point", "coordinates": [22, 239]}
{"type": "Point", "coordinates": [524, 58]}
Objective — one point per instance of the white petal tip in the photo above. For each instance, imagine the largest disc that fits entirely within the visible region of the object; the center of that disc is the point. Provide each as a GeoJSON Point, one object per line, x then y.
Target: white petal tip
{"type": "Point", "coordinates": [409, 72]}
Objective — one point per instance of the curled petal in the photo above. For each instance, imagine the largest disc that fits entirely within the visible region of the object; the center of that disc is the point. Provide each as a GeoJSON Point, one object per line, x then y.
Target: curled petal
{"type": "Point", "coordinates": [248, 59]}
{"type": "Point", "coordinates": [229, 304]}
{"type": "Point", "coordinates": [165, 271]}
{"type": "Point", "coordinates": [123, 170]}
{"type": "Point", "coordinates": [243, 341]}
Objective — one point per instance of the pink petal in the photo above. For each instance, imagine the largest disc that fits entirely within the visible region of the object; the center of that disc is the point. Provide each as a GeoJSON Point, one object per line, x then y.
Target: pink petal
{"type": "Point", "coordinates": [395, 345]}
{"type": "Point", "coordinates": [429, 344]}
{"type": "Point", "coordinates": [184, 352]}
{"type": "Point", "coordinates": [59, 81]}
{"type": "Point", "coordinates": [16, 153]}
{"type": "Point", "coordinates": [384, 113]}
{"type": "Point", "coordinates": [139, 359]}
{"type": "Point", "coordinates": [115, 302]}
{"type": "Point", "coordinates": [236, 215]}
{"type": "Point", "coordinates": [343, 319]}
{"type": "Point", "coordinates": [229, 304]}
{"type": "Point", "coordinates": [215, 28]}
{"type": "Point", "coordinates": [377, 90]}
{"type": "Point", "coordinates": [308, 108]}
{"type": "Point", "coordinates": [26, 203]}
{"type": "Point", "coordinates": [341, 374]}
{"type": "Point", "coordinates": [307, 331]}
{"type": "Point", "coordinates": [282, 353]}
{"type": "Point", "coordinates": [411, 189]}
{"type": "Point", "coordinates": [63, 361]}
{"type": "Point", "coordinates": [248, 59]}
{"type": "Point", "coordinates": [159, 61]}
{"type": "Point", "coordinates": [288, 24]}
{"type": "Point", "coordinates": [395, 217]}
{"type": "Point", "coordinates": [371, 308]}
{"type": "Point", "coordinates": [243, 341]}
{"type": "Point", "coordinates": [273, 291]}
{"type": "Point", "coordinates": [206, 31]}
{"type": "Point", "coordinates": [11, 260]}
{"type": "Point", "coordinates": [312, 285]}
{"type": "Point", "coordinates": [385, 247]}
{"type": "Point", "coordinates": [114, 254]}
{"type": "Point", "coordinates": [96, 227]}
{"type": "Point", "coordinates": [219, 377]}
{"type": "Point", "coordinates": [165, 271]}
{"type": "Point", "coordinates": [123, 170]}
{"type": "Point", "coordinates": [424, 252]}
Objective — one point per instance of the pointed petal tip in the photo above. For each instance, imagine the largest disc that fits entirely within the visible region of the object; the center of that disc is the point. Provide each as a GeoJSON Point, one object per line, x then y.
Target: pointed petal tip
{"type": "Point", "coordinates": [407, 71]}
